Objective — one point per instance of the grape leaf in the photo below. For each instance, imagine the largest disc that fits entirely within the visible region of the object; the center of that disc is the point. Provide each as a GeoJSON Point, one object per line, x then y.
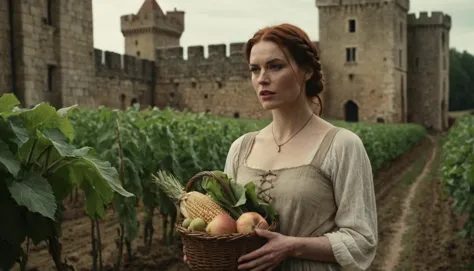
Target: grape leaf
{"type": "Point", "coordinates": [13, 130]}
{"type": "Point", "coordinates": [94, 204]}
{"type": "Point", "coordinates": [7, 102]}
{"type": "Point", "coordinates": [35, 193]}
{"type": "Point", "coordinates": [66, 111]}
{"type": "Point", "coordinates": [44, 116]}
{"type": "Point", "coordinates": [8, 159]}
{"type": "Point", "coordinates": [97, 170]}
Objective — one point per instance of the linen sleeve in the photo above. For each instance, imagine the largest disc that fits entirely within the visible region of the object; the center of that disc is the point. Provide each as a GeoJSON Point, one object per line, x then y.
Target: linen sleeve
{"type": "Point", "coordinates": [355, 241]}
{"type": "Point", "coordinates": [231, 163]}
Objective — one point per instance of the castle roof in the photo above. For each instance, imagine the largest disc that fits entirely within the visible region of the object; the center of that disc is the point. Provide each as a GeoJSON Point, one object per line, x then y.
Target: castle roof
{"type": "Point", "coordinates": [150, 6]}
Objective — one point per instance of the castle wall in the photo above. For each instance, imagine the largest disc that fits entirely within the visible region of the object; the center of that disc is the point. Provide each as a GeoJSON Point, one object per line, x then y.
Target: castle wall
{"type": "Point", "coordinates": [370, 79]}
{"type": "Point", "coordinates": [35, 47]}
{"type": "Point", "coordinates": [75, 53]}
{"type": "Point", "coordinates": [218, 84]}
{"type": "Point", "coordinates": [5, 65]}
{"type": "Point", "coordinates": [121, 80]}
{"type": "Point", "coordinates": [428, 81]}
{"type": "Point", "coordinates": [53, 52]}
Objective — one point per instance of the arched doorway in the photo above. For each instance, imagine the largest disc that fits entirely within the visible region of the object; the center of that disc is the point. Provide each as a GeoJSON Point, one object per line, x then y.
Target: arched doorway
{"type": "Point", "coordinates": [351, 112]}
{"type": "Point", "coordinates": [122, 101]}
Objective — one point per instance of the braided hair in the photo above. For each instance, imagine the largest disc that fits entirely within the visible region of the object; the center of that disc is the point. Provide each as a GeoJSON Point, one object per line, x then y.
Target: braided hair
{"type": "Point", "coordinates": [296, 42]}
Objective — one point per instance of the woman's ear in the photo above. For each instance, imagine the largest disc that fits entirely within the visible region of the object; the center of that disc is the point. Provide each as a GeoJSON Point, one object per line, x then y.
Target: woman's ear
{"type": "Point", "coordinates": [308, 73]}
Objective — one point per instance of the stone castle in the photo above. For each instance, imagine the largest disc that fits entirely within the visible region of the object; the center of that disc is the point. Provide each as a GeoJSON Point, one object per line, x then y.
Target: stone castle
{"type": "Point", "coordinates": [380, 63]}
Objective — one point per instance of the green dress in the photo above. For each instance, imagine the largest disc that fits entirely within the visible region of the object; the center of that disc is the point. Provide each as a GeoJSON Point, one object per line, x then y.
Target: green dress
{"type": "Point", "coordinates": [331, 195]}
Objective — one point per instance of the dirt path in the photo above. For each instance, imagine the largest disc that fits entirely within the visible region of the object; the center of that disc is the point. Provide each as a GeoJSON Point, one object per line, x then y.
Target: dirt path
{"type": "Point", "coordinates": [401, 226]}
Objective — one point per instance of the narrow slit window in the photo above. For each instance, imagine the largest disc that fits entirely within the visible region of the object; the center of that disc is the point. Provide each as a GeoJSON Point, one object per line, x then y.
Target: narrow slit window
{"type": "Point", "coordinates": [352, 26]}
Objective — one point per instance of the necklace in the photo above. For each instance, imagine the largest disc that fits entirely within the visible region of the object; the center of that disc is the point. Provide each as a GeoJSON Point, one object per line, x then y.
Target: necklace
{"type": "Point", "coordinates": [279, 145]}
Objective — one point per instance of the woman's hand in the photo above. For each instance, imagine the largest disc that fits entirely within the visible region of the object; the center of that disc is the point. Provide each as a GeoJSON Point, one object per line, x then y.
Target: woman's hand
{"type": "Point", "coordinates": [270, 255]}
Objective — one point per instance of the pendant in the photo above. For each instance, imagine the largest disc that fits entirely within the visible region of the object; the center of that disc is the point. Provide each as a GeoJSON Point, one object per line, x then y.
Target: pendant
{"type": "Point", "coordinates": [279, 148]}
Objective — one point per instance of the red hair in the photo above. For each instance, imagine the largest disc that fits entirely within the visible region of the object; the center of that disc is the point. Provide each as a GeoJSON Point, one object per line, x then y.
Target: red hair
{"type": "Point", "coordinates": [296, 42]}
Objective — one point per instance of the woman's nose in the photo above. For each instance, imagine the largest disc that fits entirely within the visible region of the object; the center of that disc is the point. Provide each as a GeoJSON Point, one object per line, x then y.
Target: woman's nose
{"type": "Point", "coordinates": [263, 78]}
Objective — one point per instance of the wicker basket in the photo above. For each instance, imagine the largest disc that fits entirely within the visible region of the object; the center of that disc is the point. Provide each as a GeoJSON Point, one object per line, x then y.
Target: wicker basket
{"type": "Point", "coordinates": [216, 252]}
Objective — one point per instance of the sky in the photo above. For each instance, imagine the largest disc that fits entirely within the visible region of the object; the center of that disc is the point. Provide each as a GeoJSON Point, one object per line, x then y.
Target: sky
{"type": "Point", "coordinates": [228, 21]}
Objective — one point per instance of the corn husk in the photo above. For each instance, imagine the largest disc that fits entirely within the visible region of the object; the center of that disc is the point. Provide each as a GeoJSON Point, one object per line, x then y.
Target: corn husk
{"type": "Point", "coordinates": [191, 204]}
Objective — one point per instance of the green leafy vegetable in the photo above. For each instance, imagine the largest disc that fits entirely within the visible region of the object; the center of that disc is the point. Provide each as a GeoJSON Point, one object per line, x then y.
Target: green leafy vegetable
{"type": "Point", "coordinates": [241, 199]}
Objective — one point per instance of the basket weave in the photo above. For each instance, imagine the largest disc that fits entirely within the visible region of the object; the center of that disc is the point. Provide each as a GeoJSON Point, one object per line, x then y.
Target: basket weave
{"type": "Point", "coordinates": [216, 252]}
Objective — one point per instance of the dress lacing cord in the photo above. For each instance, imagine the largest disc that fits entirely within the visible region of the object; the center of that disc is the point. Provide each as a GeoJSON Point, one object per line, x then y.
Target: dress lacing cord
{"type": "Point", "coordinates": [266, 185]}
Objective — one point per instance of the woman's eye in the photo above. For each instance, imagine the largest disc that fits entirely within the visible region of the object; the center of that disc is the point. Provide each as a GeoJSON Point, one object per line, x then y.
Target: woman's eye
{"type": "Point", "coordinates": [275, 67]}
{"type": "Point", "coordinates": [253, 69]}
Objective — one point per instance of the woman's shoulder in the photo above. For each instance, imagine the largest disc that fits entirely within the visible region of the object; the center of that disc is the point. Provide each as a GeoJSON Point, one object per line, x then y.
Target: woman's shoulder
{"type": "Point", "coordinates": [346, 138]}
{"type": "Point", "coordinates": [237, 143]}
{"type": "Point", "coordinates": [346, 150]}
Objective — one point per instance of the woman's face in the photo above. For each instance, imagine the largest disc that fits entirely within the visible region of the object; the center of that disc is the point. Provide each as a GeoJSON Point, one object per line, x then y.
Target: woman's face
{"type": "Point", "coordinates": [274, 78]}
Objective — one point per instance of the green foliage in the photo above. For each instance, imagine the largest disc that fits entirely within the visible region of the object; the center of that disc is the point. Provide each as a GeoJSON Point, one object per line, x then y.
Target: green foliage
{"type": "Point", "coordinates": [38, 168]}
{"type": "Point", "coordinates": [385, 142]}
{"type": "Point", "coordinates": [457, 169]}
{"type": "Point", "coordinates": [461, 81]}
{"type": "Point", "coordinates": [184, 143]}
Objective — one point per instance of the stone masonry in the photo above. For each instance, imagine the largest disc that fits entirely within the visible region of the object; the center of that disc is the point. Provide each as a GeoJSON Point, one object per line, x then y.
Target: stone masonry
{"type": "Point", "coordinates": [151, 28]}
{"type": "Point", "coordinates": [429, 69]}
{"type": "Point", "coordinates": [5, 60]}
{"type": "Point", "coordinates": [380, 64]}
{"type": "Point", "coordinates": [364, 59]}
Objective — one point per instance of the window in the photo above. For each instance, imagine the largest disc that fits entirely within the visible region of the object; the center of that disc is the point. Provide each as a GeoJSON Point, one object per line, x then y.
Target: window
{"type": "Point", "coordinates": [50, 79]}
{"type": "Point", "coordinates": [350, 54]}
{"type": "Point", "coordinates": [49, 12]}
{"type": "Point", "coordinates": [400, 57]}
{"type": "Point", "coordinates": [138, 53]}
{"type": "Point", "coordinates": [352, 26]}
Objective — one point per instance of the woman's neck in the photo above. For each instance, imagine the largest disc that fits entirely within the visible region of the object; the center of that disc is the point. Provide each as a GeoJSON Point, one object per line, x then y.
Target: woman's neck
{"type": "Point", "coordinates": [290, 120]}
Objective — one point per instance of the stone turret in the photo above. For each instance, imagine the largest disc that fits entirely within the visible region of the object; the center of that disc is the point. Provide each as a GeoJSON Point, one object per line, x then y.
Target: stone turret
{"type": "Point", "coordinates": [151, 28]}
{"type": "Point", "coordinates": [428, 74]}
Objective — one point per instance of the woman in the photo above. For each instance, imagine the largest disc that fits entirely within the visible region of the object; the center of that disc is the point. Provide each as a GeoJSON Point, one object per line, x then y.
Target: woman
{"type": "Point", "coordinates": [317, 176]}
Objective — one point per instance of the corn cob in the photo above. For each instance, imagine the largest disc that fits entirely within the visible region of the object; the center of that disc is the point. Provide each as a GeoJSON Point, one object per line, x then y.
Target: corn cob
{"type": "Point", "coordinates": [191, 204]}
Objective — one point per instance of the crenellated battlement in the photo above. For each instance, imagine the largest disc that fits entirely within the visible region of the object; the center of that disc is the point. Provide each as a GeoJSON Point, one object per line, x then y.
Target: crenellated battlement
{"type": "Point", "coordinates": [172, 22]}
{"type": "Point", "coordinates": [214, 52]}
{"type": "Point", "coordinates": [334, 3]}
{"type": "Point", "coordinates": [435, 19]}
{"type": "Point", "coordinates": [114, 64]}
{"type": "Point", "coordinates": [172, 64]}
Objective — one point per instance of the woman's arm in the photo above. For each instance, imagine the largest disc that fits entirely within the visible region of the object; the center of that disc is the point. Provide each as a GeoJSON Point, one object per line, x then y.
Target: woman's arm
{"type": "Point", "coordinates": [311, 248]}
{"type": "Point", "coordinates": [355, 241]}
{"type": "Point", "coordinates": [231, 162]}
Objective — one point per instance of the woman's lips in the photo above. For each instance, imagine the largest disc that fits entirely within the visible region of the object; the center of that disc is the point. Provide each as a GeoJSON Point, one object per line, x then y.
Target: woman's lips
{"type": "Point", "coordinates": [267, 94]}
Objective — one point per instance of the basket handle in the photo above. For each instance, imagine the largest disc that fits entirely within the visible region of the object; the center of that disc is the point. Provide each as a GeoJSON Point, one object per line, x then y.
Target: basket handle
{"type": "Point", "coordinates": [211, 175]}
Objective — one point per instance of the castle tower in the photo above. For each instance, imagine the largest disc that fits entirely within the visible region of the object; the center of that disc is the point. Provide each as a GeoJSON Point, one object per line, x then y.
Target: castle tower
{"type": "Point", "coordinates": [428, 69]}
{"type": "Point", "coordinates": [151, 28]}
{"type": "Point", "coordinates": [52, 50]}
{"type": "Point", "coordinates": [363, 55]}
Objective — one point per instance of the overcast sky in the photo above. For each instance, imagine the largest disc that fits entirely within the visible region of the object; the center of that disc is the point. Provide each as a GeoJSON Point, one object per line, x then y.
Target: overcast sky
{"type": "Point", "coordinates": [227, 21]}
